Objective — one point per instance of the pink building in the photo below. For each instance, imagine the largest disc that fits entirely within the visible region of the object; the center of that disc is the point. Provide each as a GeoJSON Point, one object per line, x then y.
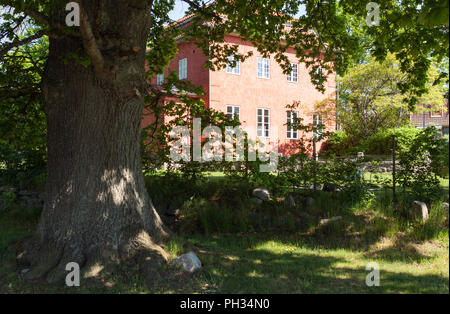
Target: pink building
{"type": "Point", "coordinates": [439, 119]}
{"type": "Point", "coordinates": [257, 92]}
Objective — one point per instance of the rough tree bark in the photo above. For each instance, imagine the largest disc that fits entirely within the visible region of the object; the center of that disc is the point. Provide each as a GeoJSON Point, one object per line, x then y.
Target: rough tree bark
{"type": "Point", "coordinates": [97, 211]}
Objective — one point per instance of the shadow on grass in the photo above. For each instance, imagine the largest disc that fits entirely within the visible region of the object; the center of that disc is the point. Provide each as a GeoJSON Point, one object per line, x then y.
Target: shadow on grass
{"type": "Point", "coordinates": [249, 264]}
{"type": "Point", "coordinates": [255, 265]}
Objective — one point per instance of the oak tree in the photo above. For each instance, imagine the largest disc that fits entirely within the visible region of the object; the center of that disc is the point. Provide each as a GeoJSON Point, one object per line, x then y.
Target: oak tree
{"type": "Point", "coordinates": [97, 211]}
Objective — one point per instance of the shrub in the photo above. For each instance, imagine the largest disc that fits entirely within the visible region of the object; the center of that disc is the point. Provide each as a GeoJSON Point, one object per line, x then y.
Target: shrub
{"type": "Point", "coordinates": [339, 144]}
{"type": "Point", "coordinates": [420, 163]}
{"type": "Point", "coordinates": [381, 142]}
{"type": "Point", "coordinates": [201, 215]}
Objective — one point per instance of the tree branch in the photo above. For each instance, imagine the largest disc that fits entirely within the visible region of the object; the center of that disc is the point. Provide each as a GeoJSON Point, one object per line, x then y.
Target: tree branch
{"type": "Point", "coordinates": [24, 41]}
{"type": "Point", "coordinates": [39, 17]}
{"type": "Point", "coordinates": [90, 43]}
{"type": "Point", "coordinates": [202, 9]}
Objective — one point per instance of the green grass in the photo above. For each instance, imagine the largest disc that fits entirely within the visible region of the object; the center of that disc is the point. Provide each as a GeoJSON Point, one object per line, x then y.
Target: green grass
{"type": "Point", "coordinates": [371, 177]}
{"type": "Point", "coordinates": [266, 263]}
{"type": "Point", "coordinates": [413, 257]}
{"type": "Point", "coordinates": [299, 264]}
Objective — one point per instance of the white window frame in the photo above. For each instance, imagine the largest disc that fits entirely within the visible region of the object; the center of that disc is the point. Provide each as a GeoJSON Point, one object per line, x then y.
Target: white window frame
{"type": "Point", "coordinates": [290, 76]}
{"type": "Point", "coordinates": [320, 70]}
{"type": "Point", "coordinates": [291, 132]}
{"type": "Point", "coordinates": [316, 122]}
{"type": "Point", "coordinates": [265, 126]}
{"type": "Point", "coordinates": [237, 69]}
{"type": "Point", "coordinates": [433, 115]}
{"type": "Point", "coordinates": [160, 79]}
{"type": "Point", "coordinates": [182, 69]}
{"type": "Point", "coordinates": [264, 63]}
{"type": "Point", "coordinates": [235, 112]}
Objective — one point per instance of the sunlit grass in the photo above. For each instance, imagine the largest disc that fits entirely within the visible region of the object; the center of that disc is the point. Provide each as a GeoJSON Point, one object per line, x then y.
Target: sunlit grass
{"type": "Point", "coordinates": [413, 258]}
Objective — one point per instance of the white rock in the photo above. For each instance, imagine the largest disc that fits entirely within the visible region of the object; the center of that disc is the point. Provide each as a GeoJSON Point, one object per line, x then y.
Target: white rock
{"type": "Point", "coordinates": [289, 201]}
{"type": "Point", "coordinates": [261, 193]}
{"type": "Point", "coordinates": [419, 210]}
{"type": "Point", "coordinates": [329, 220]}
{"type": "Point", "coordinates": [188, 261]}
{"type": "Point", "coordinates": [445, 207]}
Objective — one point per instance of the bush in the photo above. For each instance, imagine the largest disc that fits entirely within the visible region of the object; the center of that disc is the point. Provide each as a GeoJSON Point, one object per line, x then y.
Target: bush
{"type": "Point", "coordinates": [30, 179]}
{"type": "Point", "coordinates": [381, 142]}
{"type": "Point", "coordinates": [201, 215]}
{"type": "Point", "coordinates": [339, 144]}
{"type": "Point", "coordinates": [421, 161]}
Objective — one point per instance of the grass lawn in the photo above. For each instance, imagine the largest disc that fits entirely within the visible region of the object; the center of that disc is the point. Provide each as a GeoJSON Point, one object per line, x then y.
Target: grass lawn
{"type": "Point", "coordinates": [413, 258]}
{"type": "Point", "coordinates": [372, 177]}
{"type": "Point", "coordinates": [269, 263]}
{"type": "Point", "coordinates": [301, 264]}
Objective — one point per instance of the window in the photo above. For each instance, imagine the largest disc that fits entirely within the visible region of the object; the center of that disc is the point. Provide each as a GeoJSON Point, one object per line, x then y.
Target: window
{"type": "Point", "coordinates": [291, 130]}
{"type": "Point", "coordinates": [319, 70]}
{"type": "Point", "coordinates": [159, 79]}
{"type": "Point", "coordinates": [236, 69]}
{"type": "Point", "coordinates": [263, 68]}
{"type": "Point", "coordinates": [263, 123]}
{"type": "Point", "coordinates": [293, 76]}
{"type": "Point", "coordinates": [445, 130]}
{"type": "Point", "coordinates": [436, 114]}
{"type": "Point", "coordinates": [233, 112]}
{"type": "Point", "coordinates": [317, 124]}
{"type": "Point", "coordinates": [182, 69]}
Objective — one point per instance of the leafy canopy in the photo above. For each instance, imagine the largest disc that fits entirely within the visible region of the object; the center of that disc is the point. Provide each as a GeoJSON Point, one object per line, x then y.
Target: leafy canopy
{"type": "Point", "coordinates": [331, 34]}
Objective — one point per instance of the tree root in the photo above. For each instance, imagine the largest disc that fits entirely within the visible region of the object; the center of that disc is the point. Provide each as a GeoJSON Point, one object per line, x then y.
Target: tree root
{"type": "Point", "coordinates": [48, 263]}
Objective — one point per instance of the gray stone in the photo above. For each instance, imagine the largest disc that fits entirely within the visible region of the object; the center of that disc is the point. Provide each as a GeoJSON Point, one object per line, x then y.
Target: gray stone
{"type": "Point", "coordinates": [329, 187]}
{"type": "Point", "coordinates": [256, 201]}
{"type": "Point", "coordinates": [289, 201]}
{"type": "Point", "coordinates": [261, 193]}
{"type": "Point", "coordinates": [189, 262]}
{"type": "Point", "coordinates": [319, 187]}
{"type": "Point", "coordinates": [325, 222]}
{"type": "Point", "coordinates": [360, 154]}
{"type": "Point", "coordinates": [445, 207]}
{"type": "Point", "coordinates": [419, 211]}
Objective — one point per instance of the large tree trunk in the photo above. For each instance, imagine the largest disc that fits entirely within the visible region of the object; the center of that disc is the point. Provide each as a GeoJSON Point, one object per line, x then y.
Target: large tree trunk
{"type": "Point", "coordinates": [97, 211]}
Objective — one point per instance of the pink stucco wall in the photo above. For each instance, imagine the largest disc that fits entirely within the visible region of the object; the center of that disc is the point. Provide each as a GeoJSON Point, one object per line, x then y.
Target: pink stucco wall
{"type": "Point", "coordinates": [249, 92]}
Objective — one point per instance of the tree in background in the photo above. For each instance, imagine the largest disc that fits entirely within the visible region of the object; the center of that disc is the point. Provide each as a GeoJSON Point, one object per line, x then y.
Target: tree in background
{"type": "Point", "coordinates": [97, 211]}
{"type": "Point", "coordinates": [370, 99]}
{"type": "Point", "coordinates": [22, 118]}
{"type": "Point", "coordinates": [415, 31]}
